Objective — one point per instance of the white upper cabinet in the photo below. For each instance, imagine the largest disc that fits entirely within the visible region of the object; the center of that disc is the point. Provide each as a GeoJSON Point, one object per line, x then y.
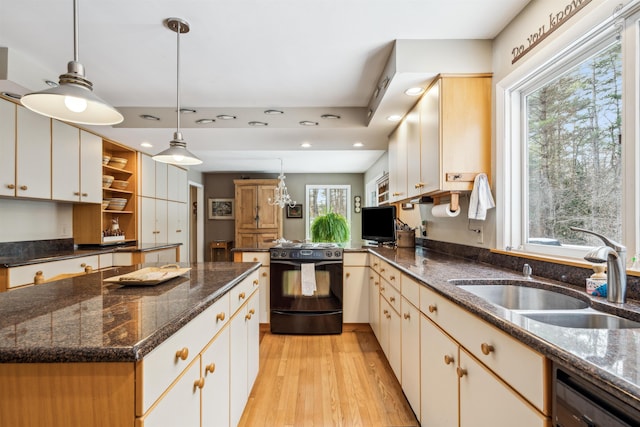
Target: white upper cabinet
{"type": "Point", "coordinates": [33, 155]}
{"type": "Point", "coordinates": [176, 184]}
{"type": "Point", "coordinates": [65, 168]}
{"type": "Point", "coordinates": [7, 148]}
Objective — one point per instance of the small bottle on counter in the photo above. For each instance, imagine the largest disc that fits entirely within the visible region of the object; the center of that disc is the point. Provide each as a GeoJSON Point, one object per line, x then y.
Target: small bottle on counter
{"type": "Point", "coordinates": [38, 279]}
{"type": "Point", "coordinates": [597, 279]}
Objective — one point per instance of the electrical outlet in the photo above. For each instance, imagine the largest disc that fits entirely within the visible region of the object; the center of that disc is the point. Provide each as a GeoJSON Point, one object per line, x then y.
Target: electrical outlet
{"type": "Point", "coordinates": [480, 235]}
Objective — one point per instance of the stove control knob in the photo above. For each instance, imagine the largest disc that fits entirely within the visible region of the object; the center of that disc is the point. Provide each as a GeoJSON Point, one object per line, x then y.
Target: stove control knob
{"type": "Point", "coordinates": [337, 254]}
{"type": "Point", "coordinates": [328, 254]}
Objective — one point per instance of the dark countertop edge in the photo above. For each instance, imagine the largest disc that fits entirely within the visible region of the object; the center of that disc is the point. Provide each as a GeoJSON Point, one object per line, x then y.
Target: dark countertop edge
{"type": "Point", "coordinates": [626, 391]}
{"type": "Point", "coordinates": [119, 354]}
{"type": "Point", "coordinates": [86, 251]}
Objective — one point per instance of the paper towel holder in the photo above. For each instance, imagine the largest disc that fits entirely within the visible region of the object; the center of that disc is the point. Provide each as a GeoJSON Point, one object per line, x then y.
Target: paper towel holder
{"type": "Point", "coordinates": [454, 197]}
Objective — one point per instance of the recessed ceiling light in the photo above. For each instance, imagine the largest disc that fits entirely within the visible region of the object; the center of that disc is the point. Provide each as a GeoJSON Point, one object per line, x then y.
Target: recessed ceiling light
{"type": "Point", "coordinates": [358, 144]}
{"type": "Point", "coordinates": [11, 95]}
{"type": "Point", "coordinates": [226, 117]}
{"type": "Point", "coordinates": [273, 112]}
{"type": "Point", "coordinates": [149, 117]}
{"type": "Point", "coordinates": [394, 118]}
{"type": "Point", "coordinates": [305, 145]}
{"type": "Point", "coordinates": [258, 124]}
{"type": "Point", "coordinates": [308, 123]}
{"type": "Point", "coordinates": [51, 83]}
{"type": "Point", "coordinates": [205, 121]}
{"type": "Point", "coordinates": [146, 144]}
{"type": "Point", "coordinates": [330, 116]}
{"type": "Point", "coordinates": [414, 91]}
{"type": "Point", "coordinates": [187, 111]}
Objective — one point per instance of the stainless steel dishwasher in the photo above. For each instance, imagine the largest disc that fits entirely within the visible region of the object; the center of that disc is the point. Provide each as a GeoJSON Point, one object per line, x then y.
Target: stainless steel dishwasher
{"type": "Point", "coordinates": [580, 403]}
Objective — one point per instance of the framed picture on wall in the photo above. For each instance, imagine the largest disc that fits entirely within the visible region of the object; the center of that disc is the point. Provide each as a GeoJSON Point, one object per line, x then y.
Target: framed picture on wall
{"type": "Point", "coordinates": [294, 211]}
{"type": "Point", "coordinates": [221, 209]}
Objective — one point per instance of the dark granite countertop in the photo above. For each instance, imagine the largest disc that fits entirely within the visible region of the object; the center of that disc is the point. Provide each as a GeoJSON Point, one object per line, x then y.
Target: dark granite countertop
{"type": "Point", "coordinates": [58, 254]}
{"type": "Point", "coordinates": [608, 357]}
{"type": "Point", "coordinates": [84, 319]}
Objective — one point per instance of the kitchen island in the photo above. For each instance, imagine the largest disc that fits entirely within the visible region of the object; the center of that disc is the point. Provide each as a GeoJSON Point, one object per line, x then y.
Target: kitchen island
{"type": "Point", "coordinates": [82, 351]}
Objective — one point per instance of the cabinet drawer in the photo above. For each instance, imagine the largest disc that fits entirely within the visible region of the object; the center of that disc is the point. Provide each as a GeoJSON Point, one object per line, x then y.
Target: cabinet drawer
{"type": "Point", "coordinates": [391, 294]}
{"type": "Point", "coordinates": [240, 293]}
{"type": "Point", "coordinates": [375, 263]}
{"type": "Point", "coordinates": [23, 275]}
{"type": "Point", "coordinates": [524, 369]}
{"type": "Point", "coordinates": [261, 257]}
{"type": "Point", "coordinates": [359, 259]}
{"type": "Point", "coordinates": [220, 314]}
{"type": "Point", "coordinates": [410, 290]}
{"type": "Point", "coordinates": [160, 368]}
{"type": "Point", "coordinates": [105, 260]}
{"type": "Point", "coordinates": [390, 274]}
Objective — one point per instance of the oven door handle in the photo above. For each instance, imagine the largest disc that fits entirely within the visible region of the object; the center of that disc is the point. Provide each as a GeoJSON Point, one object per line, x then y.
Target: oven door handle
{"type": "Point", "coordinates": [295, 264]}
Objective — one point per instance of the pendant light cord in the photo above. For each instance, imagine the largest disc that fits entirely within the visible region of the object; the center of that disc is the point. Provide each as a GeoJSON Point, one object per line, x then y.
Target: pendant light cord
{"type": "Point", "coordinates": [179, 30]}
{"type": "Point", "coordinates": [76, 49]}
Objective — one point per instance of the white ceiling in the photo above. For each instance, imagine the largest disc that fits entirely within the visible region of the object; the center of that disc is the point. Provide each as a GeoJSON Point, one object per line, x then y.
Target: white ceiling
{"type": "Point", "coordinates": [241, 57]}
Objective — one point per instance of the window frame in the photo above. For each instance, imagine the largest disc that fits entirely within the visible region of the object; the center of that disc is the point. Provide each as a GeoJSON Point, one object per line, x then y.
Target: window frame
{"type": "Point", "coordinates": [308, 187]}
{"type": "Point", "coordinates": [511, 153]}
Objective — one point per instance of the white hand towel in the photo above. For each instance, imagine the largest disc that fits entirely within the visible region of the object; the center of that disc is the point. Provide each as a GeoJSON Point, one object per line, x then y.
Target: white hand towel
{"type": "Point", "coordinates": [481, 199]}
{"type": "Point", "coordinates": [308, 278]}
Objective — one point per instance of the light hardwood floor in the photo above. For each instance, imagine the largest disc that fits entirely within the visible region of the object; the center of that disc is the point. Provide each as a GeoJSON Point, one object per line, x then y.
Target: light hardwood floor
{"type": "Point", "coordinates": [326, 380]}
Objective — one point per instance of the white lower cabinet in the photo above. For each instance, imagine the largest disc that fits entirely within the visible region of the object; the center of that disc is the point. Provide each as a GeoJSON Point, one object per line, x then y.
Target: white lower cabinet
{"type": "Point", "coordinates": [202, 375]}
{"type": "Point", "coordinates": [438, 378]}
{"type": "Point", "coordinates": [374, 302]}
{"type": "Point", "coordinates": [355, 294]}
{"type": "Point", "coordinates": [390, 339]}
{"type": "Point", "coordinates": [410, 354]}
{"type": "Point", "coordinates": [244, 339]}
{"type": "Point", "coordinates": [487, 401]}
{"type": "Point", "coordinates": [215, 371]}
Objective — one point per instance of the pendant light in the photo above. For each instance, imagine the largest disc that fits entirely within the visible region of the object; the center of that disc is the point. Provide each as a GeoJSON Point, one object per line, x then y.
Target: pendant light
{"type": "Point", "coordinates": [177, 152]}
{"type": "Point", "coordinates": [73, 99]}
{"type": "Point", "coordinates": [281, 195]}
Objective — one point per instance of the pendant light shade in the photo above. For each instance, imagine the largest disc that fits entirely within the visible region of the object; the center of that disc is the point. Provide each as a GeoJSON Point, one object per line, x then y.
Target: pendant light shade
{"type": "Point", "coordinates": [73, 99]}
{"type": "Point", "coordinates": [177, 153]}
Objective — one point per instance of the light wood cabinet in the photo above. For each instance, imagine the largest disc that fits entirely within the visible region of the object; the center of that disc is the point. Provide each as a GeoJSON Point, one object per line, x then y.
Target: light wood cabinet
{"type": "Point", "coordinates": [445, 138]}
{"type": "Point", "coordinates": [91, 223]}
{"type": "Point", "coordinates": [257, 223]}
{"type": "Point", "coordinates": [33, 155]}
{"type": "Point", "coordinates": [76, 164]}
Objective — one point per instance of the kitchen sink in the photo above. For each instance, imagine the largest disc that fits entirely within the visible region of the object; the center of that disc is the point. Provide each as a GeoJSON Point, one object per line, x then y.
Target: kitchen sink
{"type": "Point", "coordinates": [515, 297]}
{"type": "Point", "coordinates": [583, 320]}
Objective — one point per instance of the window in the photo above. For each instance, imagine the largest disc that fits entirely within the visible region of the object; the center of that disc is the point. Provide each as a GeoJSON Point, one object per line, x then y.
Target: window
{"type": "Point", "coordinates": [322, 199]}
{"type": "Point", "coordinates": [573, 152]}
{"type": "Point", "coordinates": [569, 153]}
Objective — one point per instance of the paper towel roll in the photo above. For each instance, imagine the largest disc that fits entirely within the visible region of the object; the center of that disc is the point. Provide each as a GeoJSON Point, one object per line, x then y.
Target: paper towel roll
{"type": "Point", "coordinates": [444, 211]}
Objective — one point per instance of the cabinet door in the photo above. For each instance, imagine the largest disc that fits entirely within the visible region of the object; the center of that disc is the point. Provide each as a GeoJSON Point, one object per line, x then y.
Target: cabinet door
{"type": "Point", "coordinates": [438, 378]}
{"type": "Point", "coordinates": [356, 295]}
{"type": "Point", "coordinates": [253, 339]}
{"type": "Point", "coordinates": [410, 320]}
{"type": "Point", "coordinates": [147, 220]}
{"type": "Point", "coordinates": [181, 405]}
{"type": "Point", "coordinates": [238, 365]}
{"type": "Point", "coordinates": [398, 164]}
{"type": "Point", "coordinates": [430, 149]}
{"type": "Point", "coordinates": [264, 281]}
{"type": "Point", "coordinates": [90, 167]}
{"type": "Point", "coordinates": [33, 158]}
{"type": "Point", "coordinates": [215, 393]}
{"type": "Point", "coordinates": [485, 400]}
{"type": "Point", "coordinates": [177, 226]}
{"type": "Point", "coordinates": [268, 214]}
{"type": "Point", "coordinates": [374, 302]}
{"type": "Point", "coordinates": [161, 221]}
{"type": "Point", "coordinates": [162, 170]}
{"type": "Point", "coordinates": [65, 168]}
{"type": "Point", "coordinates": [414, 178]}
{"type": "Point", "coordinates": [246, 207]}
{"type": "Point", "coordinates": [395, 342]}
{"type": "Point", "coordinates": [7, 148]}
{"type": "Point", "coordinates": [177, 184]}
{"type": "Point", "coordinates": [147, 176]}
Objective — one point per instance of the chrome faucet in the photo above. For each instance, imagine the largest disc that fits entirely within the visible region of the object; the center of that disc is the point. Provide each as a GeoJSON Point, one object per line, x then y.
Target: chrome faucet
{"type": "Point", "coordinates": [615, 255]}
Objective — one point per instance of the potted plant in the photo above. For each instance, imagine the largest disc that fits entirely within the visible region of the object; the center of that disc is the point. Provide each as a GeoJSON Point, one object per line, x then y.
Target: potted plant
{"type": "Point", "coordinates": [331, 227]}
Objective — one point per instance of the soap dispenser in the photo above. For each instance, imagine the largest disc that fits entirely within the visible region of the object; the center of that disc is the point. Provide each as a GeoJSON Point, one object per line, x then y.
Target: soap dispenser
{"type": "Point", "coordinates": [597, 279]}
